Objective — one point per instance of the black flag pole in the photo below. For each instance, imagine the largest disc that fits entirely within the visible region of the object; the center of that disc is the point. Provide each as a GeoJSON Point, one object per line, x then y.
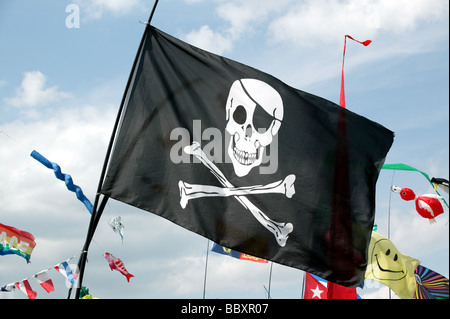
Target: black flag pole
{"type": "Point", "coordinates": [96, 214]}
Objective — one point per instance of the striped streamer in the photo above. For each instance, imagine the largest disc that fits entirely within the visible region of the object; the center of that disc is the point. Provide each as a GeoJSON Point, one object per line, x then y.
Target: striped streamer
{"type": "Point", "coordinates": [64, 177]}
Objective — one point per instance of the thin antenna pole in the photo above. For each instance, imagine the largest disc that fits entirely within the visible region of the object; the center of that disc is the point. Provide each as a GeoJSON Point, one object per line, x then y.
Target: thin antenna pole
{"type": "Point", "coordinates": [389, 215]}
{"type": "Point", "coordinates": [389, 210]}
{"type": "Point", "coordinates": [270, 279]}
{"type": "Point", "coordinates": [95, 217]}
{"type": "Point", "coordinates": [303, 286]}
{"type": "Point", "coordinates": [206, 269]}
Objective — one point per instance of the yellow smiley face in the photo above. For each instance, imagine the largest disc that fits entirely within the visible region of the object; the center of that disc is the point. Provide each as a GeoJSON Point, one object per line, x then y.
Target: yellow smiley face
{"type": "Point", "coordinates": [390, 267]}
{"type": "Point", "coordinates": [387, 261]}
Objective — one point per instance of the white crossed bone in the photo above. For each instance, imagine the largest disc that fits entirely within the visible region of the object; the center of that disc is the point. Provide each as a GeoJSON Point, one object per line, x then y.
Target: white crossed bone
{"type": "Point", "coordinates": [281, 231]}
{"type": "Point", "coordinates": [192, 191]}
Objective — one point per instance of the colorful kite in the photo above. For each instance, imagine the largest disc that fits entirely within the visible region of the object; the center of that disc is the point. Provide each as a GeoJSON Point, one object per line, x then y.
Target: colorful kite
{"type": "Point", "coordinates": [117, 226]}
{"type": "Point", "coordinates": [117, 264]}
{"type": "Point", "coordinates": [430, 285]}
{"type": "Point", "coordinates": [64, 177]}
{"type": "Point", "coordinates": [441, 182]}
{"type": "Point", "coordinates": [16, 241]}
{"type": "Point", "coordinates": [404, 167]}
{"type": "Point", "coordinates": [390, 267]}
{"type": "Point", "coordinates": [427, 205]}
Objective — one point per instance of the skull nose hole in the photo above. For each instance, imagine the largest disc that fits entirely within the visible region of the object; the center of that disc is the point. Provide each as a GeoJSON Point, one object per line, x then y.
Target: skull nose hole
{"type": "Point", "coordinates": [248, 131]}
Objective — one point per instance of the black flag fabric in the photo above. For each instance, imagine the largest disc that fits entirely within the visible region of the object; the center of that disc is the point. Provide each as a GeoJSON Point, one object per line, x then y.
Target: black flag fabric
{"type": "Point", "coordinates": [239, 157]}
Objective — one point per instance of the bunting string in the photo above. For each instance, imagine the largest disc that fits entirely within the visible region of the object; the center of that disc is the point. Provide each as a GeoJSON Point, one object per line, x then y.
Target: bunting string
{"type": "Point", "coordinates": [43, 279]}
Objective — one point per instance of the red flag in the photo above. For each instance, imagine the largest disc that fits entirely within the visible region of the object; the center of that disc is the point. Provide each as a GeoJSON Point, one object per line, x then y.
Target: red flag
{"type": "Point", "coordinates": [315, 287]}
{"type": "Point", "coordinates": [336, 291]}
{"type": "Point", "coordinates": [318, 288]}
{"type": "Point", "coordinates": [45, 281]}
{"type": "Point", "coordinates": [25, 287]}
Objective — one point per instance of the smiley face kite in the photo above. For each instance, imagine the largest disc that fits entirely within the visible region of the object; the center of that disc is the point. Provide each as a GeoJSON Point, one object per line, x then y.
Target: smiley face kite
{"type": "Point", "coordinates": [390, 267]}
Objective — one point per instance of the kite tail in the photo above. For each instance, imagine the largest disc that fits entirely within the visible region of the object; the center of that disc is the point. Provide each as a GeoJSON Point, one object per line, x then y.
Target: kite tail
{"type": "Point", "coordinates": [65, 178]}
{"type": "Point", "coordinates": [129, 276]}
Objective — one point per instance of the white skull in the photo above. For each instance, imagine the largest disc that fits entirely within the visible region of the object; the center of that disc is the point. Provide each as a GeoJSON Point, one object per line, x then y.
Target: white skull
{"type": "Point", "coordinates": [254, 112]}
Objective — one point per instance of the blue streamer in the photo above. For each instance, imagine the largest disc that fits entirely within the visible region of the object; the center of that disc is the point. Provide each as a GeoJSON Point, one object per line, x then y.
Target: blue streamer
{"type": "Point", "coordinates": [64, 177]}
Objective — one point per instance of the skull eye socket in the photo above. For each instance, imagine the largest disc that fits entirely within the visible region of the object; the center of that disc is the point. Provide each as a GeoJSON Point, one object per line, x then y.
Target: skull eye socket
{"type": "Point", "coordinates": [240, 115]}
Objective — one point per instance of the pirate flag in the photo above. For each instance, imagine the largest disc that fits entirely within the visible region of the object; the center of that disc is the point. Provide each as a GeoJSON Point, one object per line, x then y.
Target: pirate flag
{"type": "Point", "coordinates": [239, 157]}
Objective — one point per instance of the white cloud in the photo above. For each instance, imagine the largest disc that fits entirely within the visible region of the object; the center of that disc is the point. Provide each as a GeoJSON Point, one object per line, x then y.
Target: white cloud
{"type": "Point", "coordinates": [404, 15]}
{"type": "Point", "coordinates": [33, 91]}
{"type": "Point", "coordinates": [95, 9]}
{"type": "Point", "coordinates": [310, 24]}
{"type": "Point", "coordinates": [245, 16]}
{"type": "Point", "coordinates": [207, 39]}
{"type": "Point", "coordinates": [193, 1]}
{"type": "Point", "coordinates": [423, 243]}
{"type": "Point", "coordinates": [328, 21]}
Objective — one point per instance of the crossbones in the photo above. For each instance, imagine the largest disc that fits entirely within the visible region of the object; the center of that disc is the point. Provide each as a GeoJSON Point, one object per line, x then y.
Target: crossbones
{"type": "Point", "coordinates": [281, 231]}
{"type": "Point", "coordinates": [192, 191]}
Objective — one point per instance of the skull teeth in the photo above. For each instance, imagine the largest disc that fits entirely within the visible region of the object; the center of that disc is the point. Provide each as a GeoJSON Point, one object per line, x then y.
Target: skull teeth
{"type": "Point", "coordinates": [244, 157]}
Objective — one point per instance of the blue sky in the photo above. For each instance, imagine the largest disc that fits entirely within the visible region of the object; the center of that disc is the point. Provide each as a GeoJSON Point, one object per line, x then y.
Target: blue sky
{"type": "Point", "coordinates": [60, 89]}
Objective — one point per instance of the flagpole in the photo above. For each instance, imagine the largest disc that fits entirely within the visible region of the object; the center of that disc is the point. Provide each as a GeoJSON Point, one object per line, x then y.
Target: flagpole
{"type": "Point", "coordinates": [270, 279]}
{"type": "Point", "coordinates": [303, 286]}
{"type": "Point", "coordinates": [95, 217]}
{"type": "Point", "coordinates": [389, 215]}
{"type": "Point", "coordinates": [206, 269]}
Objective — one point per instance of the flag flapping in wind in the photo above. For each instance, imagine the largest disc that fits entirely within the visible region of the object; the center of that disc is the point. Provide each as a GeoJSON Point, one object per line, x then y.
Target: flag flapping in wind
{"type": "Point", "coordinates": [16, 241]}
{"type": "Point", "coordinates": [390, 267]}
{"type": "Point", "coordinates": [237, 156]}
{"type": "Point", "coordinates": [317, 288]}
